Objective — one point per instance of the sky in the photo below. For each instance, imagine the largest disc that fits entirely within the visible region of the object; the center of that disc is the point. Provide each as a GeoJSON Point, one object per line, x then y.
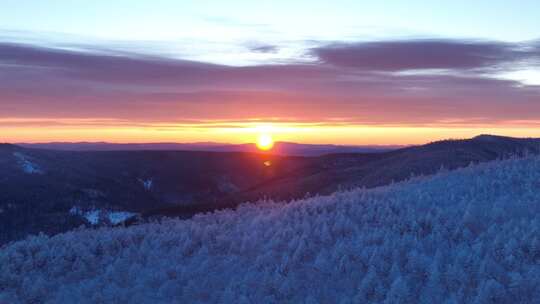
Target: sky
{"type": "Point", "coordinates": [341, 72]}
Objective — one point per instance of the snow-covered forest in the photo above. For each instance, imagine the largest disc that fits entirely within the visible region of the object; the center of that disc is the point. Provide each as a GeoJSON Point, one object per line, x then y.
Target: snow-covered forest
{"type": "Point", "coordinates": [466, 236]}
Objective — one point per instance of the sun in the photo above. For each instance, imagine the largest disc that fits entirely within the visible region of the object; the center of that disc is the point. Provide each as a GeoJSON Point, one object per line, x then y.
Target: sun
{"type": "Point", "coordinates": [265, 142]}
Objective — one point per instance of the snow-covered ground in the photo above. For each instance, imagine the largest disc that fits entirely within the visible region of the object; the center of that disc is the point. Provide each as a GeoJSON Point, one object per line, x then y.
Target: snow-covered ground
{"type": "Point", "coordinates": [467, 236]}
{"type": "Point", "coordinates": [97, 216]}
{"type": "Point", "coordinates": [26, 165]}
{"type": "Point", "coordinates": [147, 183]}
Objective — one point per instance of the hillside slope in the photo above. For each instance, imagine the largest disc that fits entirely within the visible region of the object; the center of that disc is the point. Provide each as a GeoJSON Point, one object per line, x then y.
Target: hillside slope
{"type": "Point", "coordinates": [55, 191]}
{"type": "Point", "coordinates": [466, 236]}
{"type": "Point", "coordinates": [346, 171]}
{"type": "Point", "coordinates": [45, 190]}
{"type": "Point", "coordinates": [330, 173]}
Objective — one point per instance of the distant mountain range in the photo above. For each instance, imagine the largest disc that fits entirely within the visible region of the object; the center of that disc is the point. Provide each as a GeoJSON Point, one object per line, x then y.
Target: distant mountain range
{"type": "Point", "coordinates": [281, 148]}
{"type": "Point", "coordinates": [54, 191]}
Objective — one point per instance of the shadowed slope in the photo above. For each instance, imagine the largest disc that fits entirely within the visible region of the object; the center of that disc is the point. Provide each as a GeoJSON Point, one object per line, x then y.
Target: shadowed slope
{"type": "Point", "coordinates": [342, 171]}
{"type": "Point", "coordinates": [467, 236]}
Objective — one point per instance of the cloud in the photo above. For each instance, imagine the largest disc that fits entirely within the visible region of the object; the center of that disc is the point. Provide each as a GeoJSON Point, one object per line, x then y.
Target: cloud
{"type": "Point", "coordinates": [105, 67]}
{"type": "Point", "coordinates": [422, 54]}
{"type": "Point", "coordinates": [262, 48]}
{"type": "Point", "coordinates": [37, 81]}
{"type": "Point", "coordinates": [136, 69]}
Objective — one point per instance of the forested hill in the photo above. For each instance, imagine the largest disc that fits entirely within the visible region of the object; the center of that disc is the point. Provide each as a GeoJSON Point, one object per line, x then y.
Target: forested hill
{"type": "Point", "coordinates": [330, 173]}
{"type": "Point", "coordinates": [54, 191]}
{"type": "Point", "coordinates": [465, 236]}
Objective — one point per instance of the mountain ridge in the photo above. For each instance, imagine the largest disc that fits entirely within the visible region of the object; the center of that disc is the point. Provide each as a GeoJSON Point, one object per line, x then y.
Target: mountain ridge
{"type": "Point", "coordinates": [280, 147]}
{"type": "Point", "coordinates": [54, 191]}
{"type": "Point", "coordinates": [344, 171]}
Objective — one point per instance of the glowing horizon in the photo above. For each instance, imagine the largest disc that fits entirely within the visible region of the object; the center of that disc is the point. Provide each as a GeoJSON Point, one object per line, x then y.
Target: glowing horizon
{"type": "Point", "coordinates": [348, 72]}
{"type": "Point", "coordinates": [249, 132]}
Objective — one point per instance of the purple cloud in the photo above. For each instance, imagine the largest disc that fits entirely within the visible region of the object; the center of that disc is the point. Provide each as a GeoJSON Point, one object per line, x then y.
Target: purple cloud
{"type": "Point", "coordinates": [421, 54]}
{"type": "Point", "coordinates": [143, 70]}
{"type": "Point", "coordinates": [44, 82]}
{"type": "Point", "coordinates": [99, 66]}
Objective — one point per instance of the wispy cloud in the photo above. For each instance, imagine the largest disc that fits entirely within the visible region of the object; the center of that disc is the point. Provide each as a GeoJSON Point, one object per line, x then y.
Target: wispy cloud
{"type": "Point", "coordinates": [262, 48]}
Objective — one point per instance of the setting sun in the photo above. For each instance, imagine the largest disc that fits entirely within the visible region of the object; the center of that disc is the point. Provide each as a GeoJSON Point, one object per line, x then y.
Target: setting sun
{"type": "Point", "coordinates": [265, 142]}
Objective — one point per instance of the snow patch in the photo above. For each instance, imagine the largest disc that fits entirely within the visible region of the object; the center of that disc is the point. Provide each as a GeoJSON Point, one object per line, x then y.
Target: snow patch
{"type": "Point", "coordinates": [26, 165]}
{"type": "Point", "coordinates": [75, 210]}
{"type": "Point", "coordinates": [92, 216]}
{"type": "Point", "coordinates": [117, 217]}
{"type": "Point", "coordinates": [147, 183]}
{"type": "Point", "coordinates": [99, 216]}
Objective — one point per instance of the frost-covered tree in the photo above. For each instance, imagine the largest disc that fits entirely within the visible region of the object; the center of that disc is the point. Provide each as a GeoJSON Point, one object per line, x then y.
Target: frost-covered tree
{"type": "Point", "coordinates": [490, 292]}
{"type": "Point", "coordinates": [464, 236]}
{"type": "Point", "coordinates": [398, 293]}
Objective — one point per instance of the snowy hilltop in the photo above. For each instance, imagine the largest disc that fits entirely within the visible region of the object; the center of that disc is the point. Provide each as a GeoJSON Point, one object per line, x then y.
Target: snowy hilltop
{"type": "Point", "coordinates": [465, 236]}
